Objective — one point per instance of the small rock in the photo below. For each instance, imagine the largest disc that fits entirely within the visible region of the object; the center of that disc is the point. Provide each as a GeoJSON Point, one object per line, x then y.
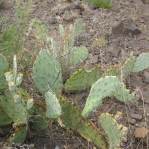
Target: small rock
{"type": "Point", "coordinates": [145, 1]}
{"type": "Point", "coordinates": [126, 27]}
{"type": "Point", "coordinates": [146, 76]}
{"type": "Point", "coordinates": [141, 132]}
{"type": "Point", "coordinates": [136, 116]}
{"type": "Point", "coordinates": [131, 121]}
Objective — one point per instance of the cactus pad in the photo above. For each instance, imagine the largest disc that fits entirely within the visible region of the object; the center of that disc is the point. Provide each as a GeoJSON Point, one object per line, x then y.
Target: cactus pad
{"type": "Point", "coordinates": [4, 119]}
{"type": "Point", "coordinates": [82, 79]}
{"type": "Point", "coordinates": [142, 62]}
{"type": "Point", "coordinates": [14, 108]}
{"type": "Point", "coordinates": [128, 66]}
{"type": "Point", "coordinates": [52, 105]}
{"type": "Point", "coordinates": [105, 87]}
{"type": "Point", "coordinates": [72, 119]}
{"type": "Point", "coordinates": [115, 132]}
{"type": "Point", "coordinates": [77, 55]}
{"type": "Point", "coordinates": [47, 73]}
{"type": "Point", "coordinates": [19, 135]}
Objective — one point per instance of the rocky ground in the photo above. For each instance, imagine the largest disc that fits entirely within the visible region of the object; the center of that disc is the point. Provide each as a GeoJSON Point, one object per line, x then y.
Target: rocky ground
{"type": "Point", "coordinates": [111, 35]}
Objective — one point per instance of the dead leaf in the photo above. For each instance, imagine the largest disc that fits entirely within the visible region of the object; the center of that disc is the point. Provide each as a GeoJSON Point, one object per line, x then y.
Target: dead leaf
{"type": "Point", "coordinates": [141, 132]}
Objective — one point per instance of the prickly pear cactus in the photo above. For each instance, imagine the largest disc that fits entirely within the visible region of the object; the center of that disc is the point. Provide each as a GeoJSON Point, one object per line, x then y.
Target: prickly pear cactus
{"type": "Point", "coordinates": [69, 34]}
{"type": "Point", "coordinates": [41, 31]}
{"type": "Point", "coordinates": [128, 66]}
{"type": "Point", "coordinates": [106, 87]}
{"type": "Point", "coordinates": [135, 64]}
{"type": "Point", "coordinates": [47, 73]}
{"type": "Point", "coordinates": [72, 119]}
{"type": "Point", "coordinates": [12, 103]}
{"type": "Point", "coordinates": [114, 131]}
{"type": "Point", "coordinates": [77, 55]}
{"type": "Point", "coordinates": [53, 108]}
{"type": "Point", "coordinates": [142, 62]}
{"type": "Point", "coordinates": [19, 135]}
{"type": "Point", "coordinates": [14, 108]}
{"type": "Point", "coordinates": [4, 118]}
{"type": "Point", "coordinates": [82, 79]}
{"type": "Point", "coordinates": [38, 121]}
{"type": "Point", "coordinates": [70, 55]}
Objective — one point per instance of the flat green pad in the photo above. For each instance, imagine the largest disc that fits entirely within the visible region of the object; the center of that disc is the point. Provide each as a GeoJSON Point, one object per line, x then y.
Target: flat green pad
{"type": "Point", "coordinates": [53, 108]}
{"type": "Point", "coordinates": [47, 73]}
{"type": "Point", "coordinates": [77, 55]}
{"type": "Point", "coordinates": [4, 119]}
{"type": "Point", "coordinates": [107, 86]}
{"type": "Point", "coordinates": [142, 62]}
{"type": "Point", "coordinates": [72, 119]}
{"type": "Point", "coordinates": [82, 79]}
{"type": "Point", "coordinates": [19, 135]}
{"type": "Point", "coordinates": [114, 131]}
{"type": "Point", "coordinates": [14, 108]}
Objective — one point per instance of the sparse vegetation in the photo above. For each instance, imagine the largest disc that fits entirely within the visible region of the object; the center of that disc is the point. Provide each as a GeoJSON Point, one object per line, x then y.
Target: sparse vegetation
{"type": "Point", "coordinates": [58, 70]}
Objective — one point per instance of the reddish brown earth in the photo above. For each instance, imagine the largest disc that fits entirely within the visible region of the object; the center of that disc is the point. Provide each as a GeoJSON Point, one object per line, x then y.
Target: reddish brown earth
{"type": "Point", "coordinates": [125, 29]}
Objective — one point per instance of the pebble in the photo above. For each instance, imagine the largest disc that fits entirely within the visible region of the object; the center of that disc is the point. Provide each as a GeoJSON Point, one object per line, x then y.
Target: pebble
{"type": "Point", "coordinates": [136, 116]}
{"type": "Point", "coordinates": [132, 121]}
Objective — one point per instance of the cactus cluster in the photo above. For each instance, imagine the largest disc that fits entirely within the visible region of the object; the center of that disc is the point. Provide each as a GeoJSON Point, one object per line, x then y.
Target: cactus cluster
{"type": "Point", "coordinates": [102, 86]}
{"type": "Point", "coordinates": [50, 67]}
{"type": "Point", "coordinates": [47, 78]}
{"type": "Point", "coordinates": [12, 104]}
{"type": "Point", "coordinates": [62, 48]}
